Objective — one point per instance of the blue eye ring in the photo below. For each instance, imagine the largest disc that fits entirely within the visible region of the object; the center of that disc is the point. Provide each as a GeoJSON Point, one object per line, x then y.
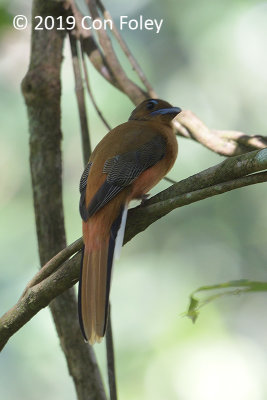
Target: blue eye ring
{"type": "Point", "coordinates": [151, 104]}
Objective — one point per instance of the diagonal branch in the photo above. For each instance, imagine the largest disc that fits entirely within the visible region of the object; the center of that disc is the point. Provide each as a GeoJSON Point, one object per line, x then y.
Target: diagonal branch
{"type": "Point", "coordinates": [143, 217]}
{"type": "Point", "coordinates": [91, 47]}
{"type": "Point", "coordinates": [135, 93]}
{"type": "Point", "coordinates": [226, 143]}
{"type": "Point", "coordinates": [136, 67]}
{"type": "Point", "coordinates": [231, 174]}
{"type": "Point", "coordinates": [53, 264]}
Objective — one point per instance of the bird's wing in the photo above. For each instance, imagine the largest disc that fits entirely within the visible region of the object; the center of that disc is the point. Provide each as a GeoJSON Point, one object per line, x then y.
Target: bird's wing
{"type": "Point", "coordinates": [82, 188]}
{"type": "Point", "coordinates": [122, 170]}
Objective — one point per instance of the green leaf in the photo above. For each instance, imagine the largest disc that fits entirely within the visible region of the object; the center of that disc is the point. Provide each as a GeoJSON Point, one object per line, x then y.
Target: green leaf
{"type": "Point", "coordinates": [232, 288]}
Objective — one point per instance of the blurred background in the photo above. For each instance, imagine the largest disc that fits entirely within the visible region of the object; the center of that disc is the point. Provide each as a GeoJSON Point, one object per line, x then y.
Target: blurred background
{"type": "Point", "coordinates": [210, 57]}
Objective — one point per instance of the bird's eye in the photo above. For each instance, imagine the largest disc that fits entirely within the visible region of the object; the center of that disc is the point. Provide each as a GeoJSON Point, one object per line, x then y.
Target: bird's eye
{"type": "Point", "coordinates": [151, 104]}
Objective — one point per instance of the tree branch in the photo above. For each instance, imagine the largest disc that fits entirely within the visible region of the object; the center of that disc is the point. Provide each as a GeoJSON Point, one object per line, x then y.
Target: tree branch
{"type": "Point", "coordinates": [91, 47]}
{"type": "Point", "coordinates": [229, 169]}
{"type": "Point", "coordinates": [157, 210]}
{"type": "Point", "coordinates": [136, 67]}
{"type": "Point", "coordinates": [86, 146]}
{"type": "Point", "coordinates": [231, 174]}
{"type": "Point", "coordinates": [135, 93]}
{"type": "Point", "coordinates": [89, 90]}
{"type": "Point", "coordinates": [53, 264]}
{"type": "Point", "coordinates": [42, 92]}
{"type": "Point", "coordinates": [226, 143]}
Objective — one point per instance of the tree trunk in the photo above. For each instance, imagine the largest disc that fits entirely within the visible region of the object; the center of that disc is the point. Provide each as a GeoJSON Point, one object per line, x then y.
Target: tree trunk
{"type": "Point", "coordinates": [42, 92]}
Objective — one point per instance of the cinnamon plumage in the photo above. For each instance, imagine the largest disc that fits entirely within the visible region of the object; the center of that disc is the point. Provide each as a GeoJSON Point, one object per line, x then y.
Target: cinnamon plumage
{"type": "Point", "coordinates": [125, 165]}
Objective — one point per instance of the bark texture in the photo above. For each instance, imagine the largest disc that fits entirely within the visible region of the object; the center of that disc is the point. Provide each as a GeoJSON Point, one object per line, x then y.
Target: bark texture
{"type": "Point", "coordinates": [42, 92]}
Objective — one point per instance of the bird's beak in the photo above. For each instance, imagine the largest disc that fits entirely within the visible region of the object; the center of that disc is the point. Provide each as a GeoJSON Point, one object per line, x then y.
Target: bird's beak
{"type": "Point", "coordinates": [170, 110]}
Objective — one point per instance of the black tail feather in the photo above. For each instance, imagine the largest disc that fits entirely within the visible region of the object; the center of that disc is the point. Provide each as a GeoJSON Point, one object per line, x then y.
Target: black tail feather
{"type": "Point", "coordinates": [112, 241]}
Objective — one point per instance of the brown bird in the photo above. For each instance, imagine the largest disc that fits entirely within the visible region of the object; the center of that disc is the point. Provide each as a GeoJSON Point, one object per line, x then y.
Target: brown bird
{"type": "Point", "coordinates": [125, 165]}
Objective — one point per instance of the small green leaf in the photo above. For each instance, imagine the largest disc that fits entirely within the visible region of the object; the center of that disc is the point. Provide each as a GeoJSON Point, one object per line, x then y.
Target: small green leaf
{"type": "Point", "coordinates": [192, 312]}
{"type": "Point", "coordinates": [233, 288]}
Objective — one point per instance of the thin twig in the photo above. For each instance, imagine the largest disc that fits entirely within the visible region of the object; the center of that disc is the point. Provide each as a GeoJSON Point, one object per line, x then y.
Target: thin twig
{"type": "Point", "coordinates": [111, 359]}
{"type": "Point", "coordinates": [79, 31]}
{"type": "Point", "coordinates": [86, 146]}
{"type": "Point", "coordinates": [135, 93]}
{"type": "Point", "coordinates": [91, 93]}
{"type": "Point", "coordinates": [127, 52]}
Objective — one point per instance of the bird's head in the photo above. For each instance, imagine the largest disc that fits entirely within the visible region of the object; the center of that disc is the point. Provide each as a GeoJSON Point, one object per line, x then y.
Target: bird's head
{"type": "Point", "coordinates": [155, 109]}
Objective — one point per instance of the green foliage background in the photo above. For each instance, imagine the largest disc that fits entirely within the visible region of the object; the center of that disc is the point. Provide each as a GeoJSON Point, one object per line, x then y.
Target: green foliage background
{"type": "Point", "coordinates": [209, 57]}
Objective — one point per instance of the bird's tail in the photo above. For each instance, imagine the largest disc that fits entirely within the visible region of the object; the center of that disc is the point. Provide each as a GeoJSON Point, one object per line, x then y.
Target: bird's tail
{"type": "Point", "coordinates": [94, 285]}
{"type": "Point", "coordinates": [93, 296]}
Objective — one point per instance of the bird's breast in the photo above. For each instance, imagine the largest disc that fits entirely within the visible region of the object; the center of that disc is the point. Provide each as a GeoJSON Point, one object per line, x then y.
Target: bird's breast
{"type": "Point", "coordinates": [149, 178]}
